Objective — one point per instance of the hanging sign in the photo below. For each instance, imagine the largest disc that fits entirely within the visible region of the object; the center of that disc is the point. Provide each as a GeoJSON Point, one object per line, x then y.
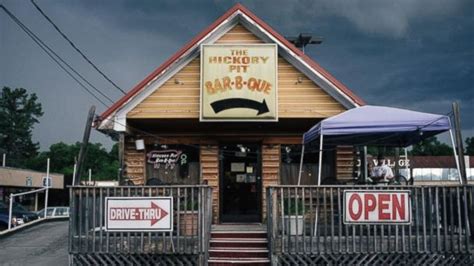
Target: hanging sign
{"type": "Point", "coordinates": [239, 82]}
{"type": "Point", "coordinates": [139, 214]}
{"type": "Point", "coordinates": [377, 207]}
{"type": "Point", "coordinates": [167, 159]}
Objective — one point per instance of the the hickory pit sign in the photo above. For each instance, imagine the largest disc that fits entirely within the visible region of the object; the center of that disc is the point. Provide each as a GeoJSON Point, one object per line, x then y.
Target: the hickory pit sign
{"type": "Point", "coordinates": [239, 82]}
{"type": "Point", "coordinates": [139, 214]}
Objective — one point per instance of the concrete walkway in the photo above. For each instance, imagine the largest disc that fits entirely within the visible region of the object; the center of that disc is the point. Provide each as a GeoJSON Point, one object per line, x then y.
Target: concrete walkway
{"type": "Point", "coordinates": [42, 244]}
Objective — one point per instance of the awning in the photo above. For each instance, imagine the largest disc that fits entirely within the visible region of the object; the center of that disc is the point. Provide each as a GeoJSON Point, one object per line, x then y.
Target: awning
{"type": "Point", "coordinates": [378, 125]}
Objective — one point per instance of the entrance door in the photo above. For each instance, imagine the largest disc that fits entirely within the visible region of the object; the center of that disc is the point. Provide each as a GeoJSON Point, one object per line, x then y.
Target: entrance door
{"type": "Point", "coordinates": [241, 183]}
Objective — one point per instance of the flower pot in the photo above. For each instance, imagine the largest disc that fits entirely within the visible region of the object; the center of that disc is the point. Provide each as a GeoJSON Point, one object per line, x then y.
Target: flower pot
{"type": "Point", "coordinates": [188, 223]}
{"type": "Point", "coordinates": [294, 224]}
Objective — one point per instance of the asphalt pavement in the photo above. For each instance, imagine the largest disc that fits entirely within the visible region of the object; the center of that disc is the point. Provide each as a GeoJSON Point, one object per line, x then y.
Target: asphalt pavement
{"type": "Point", "coordinates": [42, 244]}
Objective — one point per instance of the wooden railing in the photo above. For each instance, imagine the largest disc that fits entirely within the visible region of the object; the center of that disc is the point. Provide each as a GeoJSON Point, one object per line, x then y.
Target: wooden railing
{"type": "Point", "coordinates": [192, 216]}
{"type": "Point", "coordinates": [310, 220]}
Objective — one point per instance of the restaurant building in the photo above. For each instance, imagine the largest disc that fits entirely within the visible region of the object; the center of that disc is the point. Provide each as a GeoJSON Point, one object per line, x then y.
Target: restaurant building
{"type": "Point", "coordinates": [229, 110]}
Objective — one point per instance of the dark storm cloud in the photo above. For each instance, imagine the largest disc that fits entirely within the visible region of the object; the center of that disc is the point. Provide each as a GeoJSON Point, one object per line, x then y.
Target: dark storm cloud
{"type": "Point", "coordinates": [413, 54]}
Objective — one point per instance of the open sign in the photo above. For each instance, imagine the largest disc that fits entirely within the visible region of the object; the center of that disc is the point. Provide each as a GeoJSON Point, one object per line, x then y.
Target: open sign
{"type": "Point", "coordinates": [377, 207]}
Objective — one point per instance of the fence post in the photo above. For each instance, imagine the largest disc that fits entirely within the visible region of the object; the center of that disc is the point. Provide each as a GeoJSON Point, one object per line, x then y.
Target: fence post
{"type": "Point", "coordinates": [47, 190]}
{"type": "Point", "coordinates": [10, 212]}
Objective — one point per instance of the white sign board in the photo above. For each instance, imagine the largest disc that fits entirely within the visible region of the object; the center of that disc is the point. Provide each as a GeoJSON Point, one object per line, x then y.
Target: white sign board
{"type": "Point", "coordinates": [377, 207]}
{"type": "Point", "coordinates": [47, 181]}
{"type": "Point", "coordinates": [239, 82]}
{"type": "Point", "coordinates": [141, 214]}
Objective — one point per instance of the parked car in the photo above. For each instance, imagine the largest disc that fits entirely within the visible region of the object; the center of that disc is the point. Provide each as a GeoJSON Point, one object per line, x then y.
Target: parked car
{"type": "Point", "coordinates": [19, 213]}
{"type": "Point", "coordinates": [59, 211]}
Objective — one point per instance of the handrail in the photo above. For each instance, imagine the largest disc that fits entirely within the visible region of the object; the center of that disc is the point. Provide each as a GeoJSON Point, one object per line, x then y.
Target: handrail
{"type": "Point", "coordinates": [13, 195]}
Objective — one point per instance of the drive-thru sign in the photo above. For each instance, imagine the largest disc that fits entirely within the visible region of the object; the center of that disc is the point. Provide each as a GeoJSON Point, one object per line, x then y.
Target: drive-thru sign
{"type": "Point", "coordinates": [139, 214]}
{"type": "Point", "coordinates": [377, 207]}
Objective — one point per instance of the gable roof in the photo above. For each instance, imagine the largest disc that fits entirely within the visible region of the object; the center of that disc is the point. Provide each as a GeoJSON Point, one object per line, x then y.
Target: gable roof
{"type": "Point", "coordinates": [238, 8]}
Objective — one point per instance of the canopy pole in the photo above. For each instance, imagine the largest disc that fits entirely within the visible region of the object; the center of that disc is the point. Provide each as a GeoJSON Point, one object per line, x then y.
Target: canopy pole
{"type": "Point", "coordinates": [366, 174]}
{"type": "Point", "coordinates": [301, 164]}
{"type": "Point", "coordinates": [320, 158]}
{"type": "Point", "coordinates": [408, 175]}
{"type": "Point", "coordinates": [456, 156]}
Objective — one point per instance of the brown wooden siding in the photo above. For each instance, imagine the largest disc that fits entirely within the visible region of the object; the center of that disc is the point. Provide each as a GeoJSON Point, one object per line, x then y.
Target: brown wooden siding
{"type": "Point", "coordinates": [298, 96]}
{"type": "Point", "coordinates": [210, 174]}
{"type": "Point", "coordinates": [270, 170]}
{"type": "Point", "coordinates": [134, 162]}
{"type": "Point", "coordinates": [344, 163]}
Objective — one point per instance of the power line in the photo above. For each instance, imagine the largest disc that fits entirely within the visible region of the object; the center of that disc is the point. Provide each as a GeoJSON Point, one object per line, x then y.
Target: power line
{"type": "Point", "coordinates": [75, 47]}
{"type": "Point", "coordinates": [56, 58]}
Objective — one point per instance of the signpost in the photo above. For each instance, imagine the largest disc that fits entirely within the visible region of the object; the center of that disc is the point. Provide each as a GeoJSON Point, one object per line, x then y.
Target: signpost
{"type": "Point", "coordinates": [377, 207]}
{"type": "Point", "coordinates": [239, 82]}
{"type": "Point", "coordinates": [142, 214]}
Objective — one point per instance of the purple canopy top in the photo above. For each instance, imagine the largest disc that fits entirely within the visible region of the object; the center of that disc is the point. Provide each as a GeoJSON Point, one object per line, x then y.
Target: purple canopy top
{"type": "Point", "coordinates": [378, 124]}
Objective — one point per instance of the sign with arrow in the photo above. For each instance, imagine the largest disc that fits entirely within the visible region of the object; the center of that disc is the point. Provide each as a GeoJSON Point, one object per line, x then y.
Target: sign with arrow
{"type": "Point", "coordinates": [142, 214]}
{"type": "Point", "coordinates": [239, 82]}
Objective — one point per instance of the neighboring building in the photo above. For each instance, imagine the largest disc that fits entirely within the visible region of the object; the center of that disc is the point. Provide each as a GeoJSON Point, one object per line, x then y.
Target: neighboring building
{"type": "Point", "coordinates": [14, 180]}
{"type": "Point", "coordinates": [229, 109]}
{"type": "Point", "coordinates": [439, 169]}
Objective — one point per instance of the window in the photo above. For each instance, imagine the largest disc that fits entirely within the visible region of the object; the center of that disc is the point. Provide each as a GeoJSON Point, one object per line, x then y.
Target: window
{"type": "Point", "coordinates": [290, 165]}
{"type": "Point", "coordinates": [173, 164]}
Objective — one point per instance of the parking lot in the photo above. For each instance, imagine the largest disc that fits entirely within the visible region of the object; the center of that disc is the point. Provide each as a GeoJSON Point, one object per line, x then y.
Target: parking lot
{"type": "Point", "coordinates": [42, 244]}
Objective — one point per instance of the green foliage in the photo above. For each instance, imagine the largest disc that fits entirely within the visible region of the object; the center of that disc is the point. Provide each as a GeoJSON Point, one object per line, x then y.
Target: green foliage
{"type": "Point", "coordinates": [189, 205]}
{"type": "Point", "coordinates": [293, 207]}
{"type": "Point", "coordinates": [104, 164]}
{"type": "Point", "coordinates": [19, 111]}
{"type": "Point", "coordinates": [431, 146]}
{"type": "Point", "coordinates": [470, 146]}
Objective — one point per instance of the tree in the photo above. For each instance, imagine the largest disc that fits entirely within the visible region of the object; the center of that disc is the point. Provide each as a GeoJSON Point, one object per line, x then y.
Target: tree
{"type": "Point", "coordinates": [470, 146]}
{"type": "Point", "coordinates": [431, 146]}
{"type": "Point", "coordinates": [19, 111]}
{"type": "Point", "coordinates": [103, 164]}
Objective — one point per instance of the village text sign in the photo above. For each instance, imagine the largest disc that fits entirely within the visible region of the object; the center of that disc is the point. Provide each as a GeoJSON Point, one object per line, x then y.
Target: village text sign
{"type": "Point", "coordinates": [141, 214]}
{"type": "Point", "coordinates": [377, 207]}
{"type": "Point", "coordinates": [239, 82]}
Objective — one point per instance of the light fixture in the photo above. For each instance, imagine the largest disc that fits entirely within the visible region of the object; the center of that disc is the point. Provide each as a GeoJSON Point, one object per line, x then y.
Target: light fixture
{"type": "Point", "coordinates": [140, 144]}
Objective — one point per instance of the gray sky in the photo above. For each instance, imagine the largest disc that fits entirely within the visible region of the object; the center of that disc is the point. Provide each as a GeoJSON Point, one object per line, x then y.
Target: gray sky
{"type": "Point", "coordinates": [405, 53]}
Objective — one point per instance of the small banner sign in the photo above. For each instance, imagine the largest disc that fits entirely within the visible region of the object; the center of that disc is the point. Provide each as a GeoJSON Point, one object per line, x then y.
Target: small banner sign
{"type": "Point", "coordinates": [141, 214]}
{"type": "Point", "coordinates": [239, 82]}
{"type": "Point", "coordinates": [166, 158]}
{"type": "Point", "coordinates": [377, 207]}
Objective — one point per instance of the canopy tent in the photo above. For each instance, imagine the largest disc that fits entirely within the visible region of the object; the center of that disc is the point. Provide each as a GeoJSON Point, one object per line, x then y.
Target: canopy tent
{"type": "Point", "coordinates": [377, 125]}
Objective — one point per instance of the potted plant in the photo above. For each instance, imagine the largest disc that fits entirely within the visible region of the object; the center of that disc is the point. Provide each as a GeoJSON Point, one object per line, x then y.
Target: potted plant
{"type": "Point", "coordinates": [188, 217]}
{"type": "Point", "coordinates": [293, 216]}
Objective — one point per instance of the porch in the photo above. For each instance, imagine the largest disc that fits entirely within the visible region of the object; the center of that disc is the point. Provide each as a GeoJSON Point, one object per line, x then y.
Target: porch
{"type": "Point", "coordinates": [304, 225]}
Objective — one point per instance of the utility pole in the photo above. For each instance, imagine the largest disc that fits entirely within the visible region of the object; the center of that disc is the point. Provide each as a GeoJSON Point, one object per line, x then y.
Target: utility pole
{"type": "Point", "coordinates": [304, 39]}
{"type": "Point", "coordinates": [457, 131]}
{"type": "Point", "coordinates": [85, 142]}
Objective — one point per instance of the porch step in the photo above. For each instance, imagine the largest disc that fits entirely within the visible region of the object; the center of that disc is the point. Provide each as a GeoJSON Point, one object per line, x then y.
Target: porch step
{"type": "Point", "coordinates": [224, 252]}
{"type": "Point", "coordinates": [238, 234]}
{"type": "Point", "coordinates": [243, 244]}
{"type": "Point", "coordinates": [217, 261]}
{"type": "Point", "coordinates": [239, 242]}
{"type": "Point", "coordinates": [239, 227]}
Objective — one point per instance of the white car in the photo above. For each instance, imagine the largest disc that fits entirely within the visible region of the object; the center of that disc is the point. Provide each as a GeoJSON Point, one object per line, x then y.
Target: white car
{"type": "Point", "coordinates": [55, 212]}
